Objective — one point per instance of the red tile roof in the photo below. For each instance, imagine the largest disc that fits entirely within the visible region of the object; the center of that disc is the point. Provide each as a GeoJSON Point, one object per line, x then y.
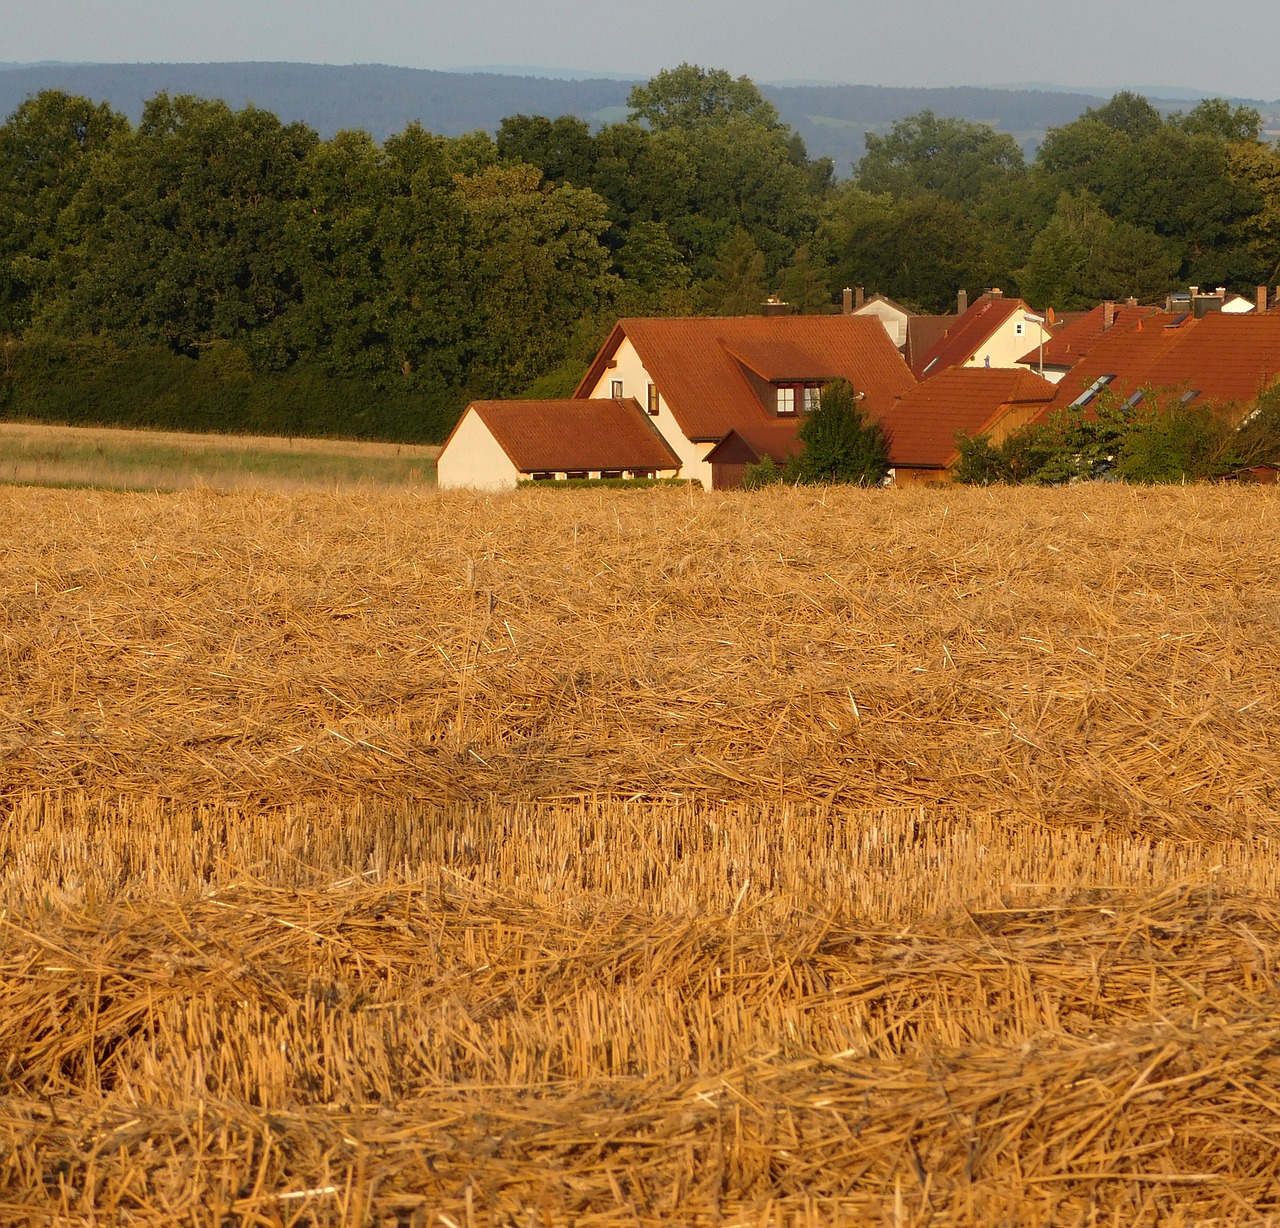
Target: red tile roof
{"type": "Point", "coordinates": [1076, 337]}
{"type": "Point", "coordinates": [922, 426]}
{"type": "Point", "coordinates": [1227, 358]}
{"type": "Point", "coordinates": [923, 333]}
{"type": "Point", "coordinates": [962, 341]}
{"type": "Point", "coordinates": [703, 367]}
{"type": "Point", "coordinates": [556, 436]}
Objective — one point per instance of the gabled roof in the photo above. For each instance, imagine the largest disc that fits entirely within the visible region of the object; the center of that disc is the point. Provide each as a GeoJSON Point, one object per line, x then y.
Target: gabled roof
{"type": "Point", "coordinates": [555, 436]}
{"type": "Point", "coordinates": [885, 300]}
{"type": "Point", "coordinates": [703, 367]}
{"type": "Point", "coordinates": [962, 341]}
{"type": "Point", "coordinates": [778, 439]}
{"type": "Point", "coordinates": [1227, 359]}
{"type": "Point", "coordinates": [1077, 337]}
{"type": "Point", "coordinates": [923, 333]}
{"type": "Point", "coordinates": [922, 426]}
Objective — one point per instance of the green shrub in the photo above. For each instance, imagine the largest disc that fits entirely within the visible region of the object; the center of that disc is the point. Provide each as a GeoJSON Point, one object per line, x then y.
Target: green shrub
{"type": "Point", "coordinates": [94, 382]}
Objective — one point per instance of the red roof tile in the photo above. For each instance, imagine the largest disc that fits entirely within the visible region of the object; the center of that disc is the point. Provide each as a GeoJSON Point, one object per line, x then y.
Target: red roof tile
{"type": "Point", "coordinates": [703, 367]}
{"type": "Point", "coordinates": [922, 426]}
{"type": "Point", "coordinates": [1076, 337]}
{"type": "Point", "coordinates": [961, 342]}
{"type": "Point", "coordinates": [1227, 358]}
{"type": "Point", "coordinates": [556, 436]}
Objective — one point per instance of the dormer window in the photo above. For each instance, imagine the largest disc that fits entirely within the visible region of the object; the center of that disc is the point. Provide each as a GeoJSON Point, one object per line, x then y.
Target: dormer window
{"type": "Point", "coordinates": [786, 401]}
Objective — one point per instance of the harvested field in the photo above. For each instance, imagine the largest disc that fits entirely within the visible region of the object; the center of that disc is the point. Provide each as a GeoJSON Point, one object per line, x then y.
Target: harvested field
{"type": "Point", "coordinates": [113, 458]}
{"type": "Point", "coordinates": [798, 858]}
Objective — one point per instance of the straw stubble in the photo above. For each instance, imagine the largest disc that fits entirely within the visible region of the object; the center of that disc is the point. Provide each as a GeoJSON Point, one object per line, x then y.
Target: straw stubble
{"type": "Point", "coordinates": [797, 858]}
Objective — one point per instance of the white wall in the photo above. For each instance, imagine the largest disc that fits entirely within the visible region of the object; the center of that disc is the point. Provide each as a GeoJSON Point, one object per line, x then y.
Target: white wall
{"type": "Point", "coordinates": [473, 458]}
{"type": "Point", "coordinates": [1005, 347]}
{"type": "Point", "coordinates": [895, 323]}
{"type": "Point", "coordinates": [635, 383]}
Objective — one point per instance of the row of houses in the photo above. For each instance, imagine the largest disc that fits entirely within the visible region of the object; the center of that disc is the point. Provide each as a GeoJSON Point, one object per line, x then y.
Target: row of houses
{"type": "Point", "coordinates": [702, 398]}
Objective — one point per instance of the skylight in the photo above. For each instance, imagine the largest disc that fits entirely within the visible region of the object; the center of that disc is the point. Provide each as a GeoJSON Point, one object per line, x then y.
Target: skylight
{"type": "Point", "coordinates": [1092, 391]}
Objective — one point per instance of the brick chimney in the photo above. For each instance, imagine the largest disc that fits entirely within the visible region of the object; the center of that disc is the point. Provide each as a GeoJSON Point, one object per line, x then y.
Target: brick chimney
{"type": "Point", "coordinates": [846, 301]}
{"type": "Point", "coordinates": [1108, 314]}
{"type": "Point", "coordinates": [1260, 300]}
{"type": "Point", "coordinates": [859, 298]}
{"type": "Point", "coordinates": [1131, 301]}
{"type": "Point", "coordinates": [962, 302]}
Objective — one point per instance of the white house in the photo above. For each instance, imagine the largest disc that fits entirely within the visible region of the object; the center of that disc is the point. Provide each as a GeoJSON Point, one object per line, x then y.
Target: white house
{"type": "Point", "coordinates": [498, 444]}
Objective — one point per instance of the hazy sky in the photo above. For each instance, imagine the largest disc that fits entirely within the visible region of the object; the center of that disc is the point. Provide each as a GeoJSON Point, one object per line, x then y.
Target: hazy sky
{"type": "Point", "coordinates": [1228, 49]}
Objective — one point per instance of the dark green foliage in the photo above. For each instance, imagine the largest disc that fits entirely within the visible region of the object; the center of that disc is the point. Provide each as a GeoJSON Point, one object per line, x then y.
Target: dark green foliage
{"type": "Point", "coordinates": [691, 96]}
{"type": "Point", "coordinates": [1158, 439]}
{"type": "Point", "coordinates": [391, 283]}
{"type": "Point", "coordinates": [929, 153]}
{"type": "Point", "coordinates": [765, 472]}
{"type": "Point", "coordinates": [737, 286]}
{"type": "Point", "coordinates": [97, 383]}
{"type": "Point", "coordinates": [840, 444]}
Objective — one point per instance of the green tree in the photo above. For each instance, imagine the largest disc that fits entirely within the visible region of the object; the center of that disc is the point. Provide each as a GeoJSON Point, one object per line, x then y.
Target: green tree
{"type": "Point", "coordinates": [930, 153]}
{"type": "Point", "coordinates": [690, 96]}
{"type": "Point", "coordinates": [806, 284]}
{"type": "Point", "coordinates": [918, 251]}
{"type": "Point", "coordinates": [737, 287]}
{"type": "Point", "coordinates": [179, 236]}
{"type": "Point", "coordinates": [1216, 117]}
{"type": "Point", "coordinates": [534, 267]}
{"type": "Point", "coordinates": [841, 444]}
{"type": "Point", "coordinates": [48, 147]}
{"type": "Point", "coordinates": [1084, 256]}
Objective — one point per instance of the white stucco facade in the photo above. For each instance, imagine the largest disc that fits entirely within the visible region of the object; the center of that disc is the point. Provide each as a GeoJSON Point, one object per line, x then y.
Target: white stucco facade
{"type": "Point", "coordinates": [893, 318]}
{"type": "Point", "coordinates": [474, 459]}
{"type": "Point", "coordinates": [628, 370]}
{"type": "Point", "coordinates": [1007, 345]}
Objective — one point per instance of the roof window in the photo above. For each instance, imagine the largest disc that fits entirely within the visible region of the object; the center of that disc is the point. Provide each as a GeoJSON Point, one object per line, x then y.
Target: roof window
{"type": "Point", "coordinates": [1092, 391]}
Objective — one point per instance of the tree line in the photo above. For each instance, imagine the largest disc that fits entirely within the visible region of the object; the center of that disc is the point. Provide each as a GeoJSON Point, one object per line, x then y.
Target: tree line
{"type": "Point", "coordinates": [208, 264]}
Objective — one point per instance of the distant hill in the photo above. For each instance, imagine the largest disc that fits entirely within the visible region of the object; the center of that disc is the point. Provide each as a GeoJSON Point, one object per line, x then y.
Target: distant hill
{"type": "Point", "coordinates": [833, 119]}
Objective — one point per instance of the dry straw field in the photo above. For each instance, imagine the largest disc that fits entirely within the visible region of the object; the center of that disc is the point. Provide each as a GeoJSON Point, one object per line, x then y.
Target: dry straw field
{"type": "Point", "coordinates": [646, 858]}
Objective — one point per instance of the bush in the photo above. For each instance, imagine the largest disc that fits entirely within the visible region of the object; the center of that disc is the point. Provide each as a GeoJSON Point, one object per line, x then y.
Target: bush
{"type": "Point", "coordinates": [1156, 440]}
{"type": "Point", "coordinates": [840, 444]}
{"type": "Point", "coordinates": [98, 383]}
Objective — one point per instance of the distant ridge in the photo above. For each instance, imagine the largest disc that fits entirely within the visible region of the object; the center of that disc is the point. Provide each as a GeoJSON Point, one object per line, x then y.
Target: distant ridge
{"type": "Point", "coordinates": [382, 100]}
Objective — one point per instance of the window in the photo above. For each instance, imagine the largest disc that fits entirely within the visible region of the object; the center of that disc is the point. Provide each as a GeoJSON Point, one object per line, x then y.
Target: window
{"type": "Point", "coordinates": [615, 389]}
{"type": "Point", "coordinates": [544, 477]}
{"type": "Point", "coordinates": [1019, 329]}
{"type": "Point", "coordinates": [610, 473]}
{"type": "Point", "coordinates": [812, 396]}
{"type": "Point", "coordinates": [786, 400]}
{"type": "Point", "coordinates": [1189, 396]}
{"type": "Point", "coordinates": [651, 400]}
{"type": "Point", "coordinates": [1135, 400]}
{"type": "Point", "coordinates": [575, 475]}
{"type": "Point", "coordinates": [1092, 391]}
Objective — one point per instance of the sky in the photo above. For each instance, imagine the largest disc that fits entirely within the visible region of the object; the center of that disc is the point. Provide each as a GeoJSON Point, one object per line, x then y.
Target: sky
{"type": "Point", "coordinates": [1093, 43]}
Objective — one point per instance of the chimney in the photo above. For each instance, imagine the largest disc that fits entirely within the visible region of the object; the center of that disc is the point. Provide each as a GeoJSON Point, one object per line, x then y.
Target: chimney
{"type": "Point", "coordinates": [996, 292]}
{"type": "Point", "coordinates": [1260, 300]}
{"type": "Point", "coordinates": [1131, 301]}
{"type": "Point", "coordinates": [1195, 291]}
{"type": "Point", "coordinates": [1108, 314]}
{"type": "Point", "coordinates": [1168, 304]}
{"type": "Point", "coordinates": [1220, 292]}
{"type": "Point", "coordinates": [962, 302]}
{"type": "Point", "coordinates": [774, 306]}
{"type": "Point", "coordinates": [859, 298]}
{"type": "Point", "coordinates": [846, 301]}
